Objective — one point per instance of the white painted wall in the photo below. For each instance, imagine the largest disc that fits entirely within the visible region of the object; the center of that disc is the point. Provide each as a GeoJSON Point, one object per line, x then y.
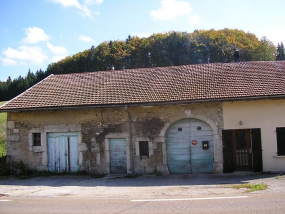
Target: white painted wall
{"type": "Point", "coordinates": [264, 114]}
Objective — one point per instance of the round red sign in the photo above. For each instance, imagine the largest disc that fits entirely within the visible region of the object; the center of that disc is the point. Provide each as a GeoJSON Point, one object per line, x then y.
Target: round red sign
{"type": "Point", "coordinates": [194, 142]}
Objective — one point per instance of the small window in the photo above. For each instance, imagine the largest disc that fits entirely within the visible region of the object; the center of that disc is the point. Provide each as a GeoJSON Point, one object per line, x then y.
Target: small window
{"type": "Point", "coordinates": [36, 139]}
{"type": "Point", "coordinates": [280, 132]}
{"type": "Point", "coordinates": [144, 151]}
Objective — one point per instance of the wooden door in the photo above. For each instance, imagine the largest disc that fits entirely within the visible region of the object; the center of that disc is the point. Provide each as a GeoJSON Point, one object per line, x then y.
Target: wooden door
{"type": "Point", "coordinates": [178, 147]}
{"type": "Point", "coordinates": [63, 152]}
{"type": "Point", "coordinates": [242, 150]}
{"type": "Point", "coordinates": [118, 158]}
{"type": "Point", "coordinates": [257, 164]}
{"type": "Point", "coordinates": [228, 150]}
{"type": "Point", "coordinates": [185, 153]}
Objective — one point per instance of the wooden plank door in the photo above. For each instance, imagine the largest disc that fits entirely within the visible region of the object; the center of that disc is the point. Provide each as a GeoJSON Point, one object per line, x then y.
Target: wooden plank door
{"type": "Point", "coordinates": [63, 152]}
{"type": "Point", "coordinates": [257, 164]}
{"type": "Point", "coordinates": [118, 158]}
{"type": "Point", "coordinates": [185, 153]}
{"type": "Point", "coordinates": [228, 150]}
{"type": "Point", "coordinates": [201, 159]}
{"type": "Point", "coordinates": [57, 150]}
{"type": "Point", "coordinates": [178, 147]}
{"type": "Point", "coordinates": [73, 153]}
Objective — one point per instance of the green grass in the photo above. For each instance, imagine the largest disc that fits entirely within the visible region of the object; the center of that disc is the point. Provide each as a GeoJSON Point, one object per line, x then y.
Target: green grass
{"type": "Point", "coordinates": [3, 121]}
{"type": "Point", "coordinates": [251, 187]}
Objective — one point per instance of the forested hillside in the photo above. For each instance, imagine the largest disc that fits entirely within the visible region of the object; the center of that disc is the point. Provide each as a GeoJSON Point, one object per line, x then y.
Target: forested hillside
{"type": "Point", "coordinates": [162, 49]}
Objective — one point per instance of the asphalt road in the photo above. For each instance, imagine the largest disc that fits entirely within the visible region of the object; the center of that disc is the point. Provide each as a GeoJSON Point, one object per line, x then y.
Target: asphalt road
{"type": "Point", "coordinates": [145, 194]}
{"type": "Point", "coordinates": [262, 203]}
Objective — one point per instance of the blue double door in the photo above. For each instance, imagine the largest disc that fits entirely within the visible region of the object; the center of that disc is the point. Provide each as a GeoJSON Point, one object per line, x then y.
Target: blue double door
{"type": "Point", "coordinates": [63, 152]}
{"type": "Point", "coordinates": [190, 147]}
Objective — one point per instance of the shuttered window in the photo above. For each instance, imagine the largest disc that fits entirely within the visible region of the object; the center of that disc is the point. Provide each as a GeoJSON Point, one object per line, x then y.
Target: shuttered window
{"type": "Point", "coordinates": [144, 150]}
{"type": "Point", "coordinates": [280, 132]}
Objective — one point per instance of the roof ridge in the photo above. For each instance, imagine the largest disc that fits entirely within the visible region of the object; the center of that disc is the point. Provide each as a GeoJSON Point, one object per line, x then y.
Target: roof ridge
{"type": "Point", "coordinates": [198, 82]}
{"type": "Point", "coordinates": [172, 66]}
{"type": "Point", "coordinates": [138, 69]}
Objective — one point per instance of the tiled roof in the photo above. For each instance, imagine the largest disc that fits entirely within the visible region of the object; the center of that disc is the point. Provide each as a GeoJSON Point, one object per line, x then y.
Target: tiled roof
{"type": "Point", "coordinates": [148, 85]}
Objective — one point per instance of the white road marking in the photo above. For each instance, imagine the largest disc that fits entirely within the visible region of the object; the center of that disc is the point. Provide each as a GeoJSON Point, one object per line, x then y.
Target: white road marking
{"type": "Point", "coordinates": [4, 200]}
{"type": "Point", "coordinates": [189, 199]}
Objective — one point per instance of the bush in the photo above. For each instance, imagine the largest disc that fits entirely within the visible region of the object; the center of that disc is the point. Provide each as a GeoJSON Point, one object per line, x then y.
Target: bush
{"type": "Point", "coordinates": [4, 169]}
{"type": "Point", "coordinates": [23, 170]}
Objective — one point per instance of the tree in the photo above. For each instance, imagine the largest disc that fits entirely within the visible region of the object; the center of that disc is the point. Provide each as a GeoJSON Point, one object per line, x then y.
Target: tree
{"type": "Point", "coordinates": [3, 91]}
{"type": "Point", "coordinates": [158, 50]}
{"type": "Point", "coordinates": [265, 51]}
{"type": "Point", "coordinates": [280, 52]}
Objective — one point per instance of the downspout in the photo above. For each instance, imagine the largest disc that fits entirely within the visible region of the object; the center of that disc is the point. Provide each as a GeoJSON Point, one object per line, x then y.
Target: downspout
{"type": "Point", "coordinates": [130, 135]}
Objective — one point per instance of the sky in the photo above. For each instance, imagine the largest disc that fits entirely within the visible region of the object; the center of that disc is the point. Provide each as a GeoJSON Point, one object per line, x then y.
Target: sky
{"type": "Point", "coordinates": [35, 33]}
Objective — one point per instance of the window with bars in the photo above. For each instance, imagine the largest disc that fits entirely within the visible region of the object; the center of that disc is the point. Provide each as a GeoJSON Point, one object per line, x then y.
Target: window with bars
{"type": "Point", "coordinates": [280, 132]}
{"type": "Point", "coordinates": [36, 139]}
{"type": "Point", "coordinates": [144, 149]}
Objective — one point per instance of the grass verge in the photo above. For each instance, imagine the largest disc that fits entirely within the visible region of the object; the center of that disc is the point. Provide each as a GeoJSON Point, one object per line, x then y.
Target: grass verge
{"type": "Point", "coordinates": [3, 122]}
{"type": "Point", "coordinates": [251, 187]}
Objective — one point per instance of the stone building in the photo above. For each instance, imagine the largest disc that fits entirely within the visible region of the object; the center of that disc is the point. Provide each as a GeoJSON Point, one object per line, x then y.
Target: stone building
{"type": "Point", "coordinates": [206, 118]}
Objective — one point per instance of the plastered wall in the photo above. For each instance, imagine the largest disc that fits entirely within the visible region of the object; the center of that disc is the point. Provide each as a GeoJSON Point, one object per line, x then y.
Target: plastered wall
{"type": "Point", "coordinates": [265, 114]}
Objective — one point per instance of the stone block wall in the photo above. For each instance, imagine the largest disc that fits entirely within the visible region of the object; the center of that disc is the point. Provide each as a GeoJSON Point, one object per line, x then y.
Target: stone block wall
{"type": "Point", "coordinates": [94, 125]}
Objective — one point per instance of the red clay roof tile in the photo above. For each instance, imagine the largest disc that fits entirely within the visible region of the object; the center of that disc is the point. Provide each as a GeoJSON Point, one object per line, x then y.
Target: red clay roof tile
{"type": "Point", "coordinates": [147, 85]}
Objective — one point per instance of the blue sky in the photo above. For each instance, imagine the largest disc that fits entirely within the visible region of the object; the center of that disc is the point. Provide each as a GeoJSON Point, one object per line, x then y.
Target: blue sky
{"type": "Point", "coordinates": [35, 33]}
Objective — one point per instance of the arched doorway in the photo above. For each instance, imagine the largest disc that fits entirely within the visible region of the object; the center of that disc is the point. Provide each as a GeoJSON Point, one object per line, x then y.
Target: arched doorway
{"type": "Point", "coordinates": [190, 147]}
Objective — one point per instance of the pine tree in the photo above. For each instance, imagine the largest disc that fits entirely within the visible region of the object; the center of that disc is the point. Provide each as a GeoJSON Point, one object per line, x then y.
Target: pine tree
{"type": "Point", "coordinates": [280, 52]}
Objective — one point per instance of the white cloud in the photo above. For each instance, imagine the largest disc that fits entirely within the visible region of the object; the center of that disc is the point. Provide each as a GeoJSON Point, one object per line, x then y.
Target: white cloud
{"type": "Point", "coordinates": [23, 63]}
{"type": "Point", "coordinates": [195, 19]}
{"type": "Point", "coordinates": [93, 1]}
{"type": "Point", "coordinates": [97, 13]}
{"type": "Point", "coordinates": [58, 50]}
{"type": "Point", "coordinates": [67, 3]}
{"type": "Point", "coordinates": [170, 9]}
{"type": "Point", "coordinates": [142, 35]}
{"type": "Point", "coordinates": [7, 62]}
{"type": "Point", "coordinates": [57, 58]}
{"type": "Point", "coordinates": [33, 55]}
{"type": "Point", "coordinates": [35, 35]}
{"type": "Point", "coordinates": [275, 35]}
{"type": "Point", "coordinates": [85, 38]}
{"type": "Point", "coordinates": [83, 9]}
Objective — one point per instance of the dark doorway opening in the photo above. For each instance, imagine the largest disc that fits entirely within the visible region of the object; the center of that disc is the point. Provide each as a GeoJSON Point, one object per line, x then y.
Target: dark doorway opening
{"type": "Point", "coordinates": [242, 150]}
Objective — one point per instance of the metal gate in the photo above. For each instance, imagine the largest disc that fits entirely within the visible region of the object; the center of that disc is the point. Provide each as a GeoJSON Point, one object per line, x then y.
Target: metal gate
{"type": "Point", "coordinates": [242, 150]}
{"type": "Point", "coordinates": [118, 158]}
{"type": "Point", "coordinates": [63, 152]}
{"type": "Point", "coordinates": [242, 153]}
{"type": "Point", "coordinates": [190, 147]}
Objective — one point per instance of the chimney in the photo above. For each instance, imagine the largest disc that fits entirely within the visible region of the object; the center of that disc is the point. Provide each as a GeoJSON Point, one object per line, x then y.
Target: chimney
{"type": "Point", "coordinates": [236, 56]}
